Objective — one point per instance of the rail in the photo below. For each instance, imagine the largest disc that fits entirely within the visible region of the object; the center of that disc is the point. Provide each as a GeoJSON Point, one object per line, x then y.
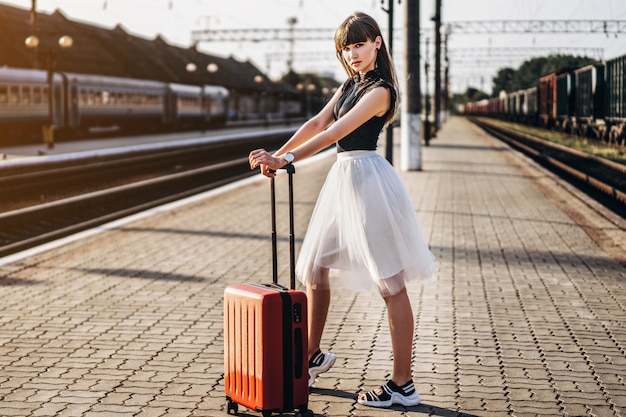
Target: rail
{"type": "Point", "coordinates": [603, 179]}
{"type": "Point", "coordinates": [87, 189]}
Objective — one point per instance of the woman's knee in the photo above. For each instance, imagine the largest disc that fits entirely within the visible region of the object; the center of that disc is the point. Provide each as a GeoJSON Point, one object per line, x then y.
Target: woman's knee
{"type": "Point", "coordinates": [319, 280]}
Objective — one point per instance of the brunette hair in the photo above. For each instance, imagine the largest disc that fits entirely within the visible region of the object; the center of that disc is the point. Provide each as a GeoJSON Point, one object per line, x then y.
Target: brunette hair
{"type": "Point", "coordinates": [360, 27]}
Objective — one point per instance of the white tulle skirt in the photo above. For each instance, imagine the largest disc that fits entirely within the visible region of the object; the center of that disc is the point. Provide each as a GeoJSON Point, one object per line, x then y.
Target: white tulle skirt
{"type": "Point", "coordinates": [364, 234]}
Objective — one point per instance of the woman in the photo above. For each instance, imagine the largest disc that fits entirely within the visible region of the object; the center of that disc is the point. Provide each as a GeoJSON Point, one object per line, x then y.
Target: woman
{"type": "Point", "coordinates": [363, 234]}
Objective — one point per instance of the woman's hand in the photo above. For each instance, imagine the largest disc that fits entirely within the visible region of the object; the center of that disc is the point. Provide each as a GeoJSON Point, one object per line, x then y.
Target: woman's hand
{"type": "Point", "coordinates": [267, 162]}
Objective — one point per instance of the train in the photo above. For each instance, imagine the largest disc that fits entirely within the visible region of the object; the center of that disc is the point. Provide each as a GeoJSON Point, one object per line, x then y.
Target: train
{"type": "Point", "coordinates": [36, 104]}
{"type": "Point", "coordinates": [588, 102]}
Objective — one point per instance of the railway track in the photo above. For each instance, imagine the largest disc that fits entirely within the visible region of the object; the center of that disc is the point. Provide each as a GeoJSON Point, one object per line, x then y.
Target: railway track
{"type": "Point", "coordinates": [603, 180]}
{"type": "Point", "coordinates": [81, 193]}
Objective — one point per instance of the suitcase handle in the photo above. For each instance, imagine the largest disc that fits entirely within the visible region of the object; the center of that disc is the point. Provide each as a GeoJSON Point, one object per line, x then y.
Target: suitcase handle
{"type": "Point", "coordinates": [292, 249]}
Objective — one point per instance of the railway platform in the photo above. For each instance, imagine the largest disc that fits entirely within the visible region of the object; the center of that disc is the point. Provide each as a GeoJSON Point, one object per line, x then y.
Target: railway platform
{"type": "Point", "coordinates": [527, 316]}
{"type": "Point", "coordinates": [97, 144]}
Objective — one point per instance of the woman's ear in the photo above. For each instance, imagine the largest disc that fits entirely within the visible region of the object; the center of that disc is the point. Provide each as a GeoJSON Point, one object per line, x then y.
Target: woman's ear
{"type": "Point", "coordinates": [378, 42]}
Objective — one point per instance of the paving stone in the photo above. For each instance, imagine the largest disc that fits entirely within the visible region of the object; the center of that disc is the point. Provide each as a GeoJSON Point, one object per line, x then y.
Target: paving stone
{"type": "Point", "coordinates": [526, 318]}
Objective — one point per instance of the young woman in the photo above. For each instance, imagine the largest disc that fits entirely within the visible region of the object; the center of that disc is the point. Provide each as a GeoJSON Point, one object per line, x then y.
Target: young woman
{"type": "Point", "coordinates": [363, 234]}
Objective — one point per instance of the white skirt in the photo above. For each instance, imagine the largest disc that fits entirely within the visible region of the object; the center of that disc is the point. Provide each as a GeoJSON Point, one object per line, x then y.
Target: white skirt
{"type": "Point", "coordinates": [364, 230]}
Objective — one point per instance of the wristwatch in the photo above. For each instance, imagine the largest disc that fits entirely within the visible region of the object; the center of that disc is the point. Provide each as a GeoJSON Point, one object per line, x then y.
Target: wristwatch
{"type": "Point", "coordinates": [289, 157]}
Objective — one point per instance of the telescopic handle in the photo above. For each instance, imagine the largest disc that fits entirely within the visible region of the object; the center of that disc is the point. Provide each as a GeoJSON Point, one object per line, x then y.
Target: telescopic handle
{"type": "Point", "coordinates": [292, 245]}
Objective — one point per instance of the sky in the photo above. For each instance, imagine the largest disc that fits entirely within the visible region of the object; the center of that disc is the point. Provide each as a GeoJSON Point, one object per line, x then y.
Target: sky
{"type": "Point", "coordinates": [474, 58]}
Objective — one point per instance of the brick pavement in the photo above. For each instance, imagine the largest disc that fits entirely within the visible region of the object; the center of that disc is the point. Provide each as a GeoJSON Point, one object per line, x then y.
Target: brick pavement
{"type": "Point", "coordinates": [527, 317]}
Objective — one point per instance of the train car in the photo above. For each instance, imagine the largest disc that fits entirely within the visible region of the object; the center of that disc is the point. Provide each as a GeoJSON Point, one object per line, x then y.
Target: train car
{"type": "Point", "coordinates": [98, 102]}
{"type": "Point", "coordinates": [26, 106]}
{"type": "Point", "coordinates": [184, 106]}
{"type": "Point", "coordinates": [530, 106]}
{"type": "Point", "coordinates": [565, 100]}
{"type": "Point", "coordinates": [478, 108]}
{"type": "Point", "coordinates": [216, 105]}
{"type": "Point", "coordinates": [588, 117]}
{"type": "Point", "coordinates": [588, 101]}
{"type": "Point", "coordinates": [515, 102]}
{"type": "Point", "coordinates": [547, 100]}
{"type": "Point", "coordinates": [496, 106]}
{"type": "Point", "coordinates": [83, 105]}
{"type": "Point", "coordinates": [504, 108]}
{"type": "Point", "coordinates": [615, 100]}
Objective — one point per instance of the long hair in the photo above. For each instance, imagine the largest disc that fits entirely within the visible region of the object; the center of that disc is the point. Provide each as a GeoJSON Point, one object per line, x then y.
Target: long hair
{"type": "Point", "coordinates": [360, 27]}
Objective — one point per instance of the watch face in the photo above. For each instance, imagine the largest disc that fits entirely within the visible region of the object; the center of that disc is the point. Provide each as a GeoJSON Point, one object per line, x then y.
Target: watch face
{"type": "Point", "coordinates": [289, 157]}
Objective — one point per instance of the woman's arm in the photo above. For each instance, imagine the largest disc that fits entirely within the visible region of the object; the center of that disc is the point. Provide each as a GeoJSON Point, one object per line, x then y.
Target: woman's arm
{"type": "Point", "coordinates": [373, 103]}
{"type": "Point", "coordinates": [308, 130]}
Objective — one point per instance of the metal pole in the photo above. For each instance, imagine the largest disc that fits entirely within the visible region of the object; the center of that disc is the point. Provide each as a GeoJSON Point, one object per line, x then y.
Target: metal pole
{"type": "Point", "coordinates": [34, 31]}
{"type": "Point", "coordinates": [33, 14]}
{"type": "Point", "coordinates": [48, 133]}
{"type": "Point", "coordinates": [427, 128]}
{"type": "Point", "coordinates": [446, 76]}
{"type": "Point", "coordinates": [291, 22]}
{"type": "Point", "coordinates": [437, 110]}
{"type": "Point", "coordinates": [411, 129]}
{"type": "Point", "coordinates": [389, 130]}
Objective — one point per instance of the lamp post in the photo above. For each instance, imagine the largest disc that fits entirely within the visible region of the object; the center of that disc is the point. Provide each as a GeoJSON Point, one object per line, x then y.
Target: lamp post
{"type": "Point", "coordinates": [307, 90]}
{"type": "Point", "coordinates": [437, 94]}
{"type": "Point", "coordinates": [427, 129]}
{"type": "Point", "coordinates": [446, 30]}
{"type": "Point", "coordinates": [64, 42]}
{"type": "Point", "coordinates": [310, 90]}
{"type": "Point", "coordinates": [291, 22]}
{"type": "Point", "coordinates": [389, 130]}
{"type": "Point", "coordinates": [264, 97]}
{"type": "Point", "coordinates": [211, 69]}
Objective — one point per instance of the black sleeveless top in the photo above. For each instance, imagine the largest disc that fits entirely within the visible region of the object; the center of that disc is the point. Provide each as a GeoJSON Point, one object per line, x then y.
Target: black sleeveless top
{"type": "Point", "coordinates": [365, 136]}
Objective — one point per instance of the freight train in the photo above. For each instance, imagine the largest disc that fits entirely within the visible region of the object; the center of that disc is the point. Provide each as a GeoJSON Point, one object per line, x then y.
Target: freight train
{"type": "Point", "coordinates": [588, 101]}
{"type": "Point", "coordinates": [35, 103]}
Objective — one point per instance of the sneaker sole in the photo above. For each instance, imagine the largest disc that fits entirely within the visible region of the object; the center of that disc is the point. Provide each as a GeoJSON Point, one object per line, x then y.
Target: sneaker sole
{"type": "Point", "coordinates": [329, 361]}
{"type": "Point", "coordinates": [396, 399]}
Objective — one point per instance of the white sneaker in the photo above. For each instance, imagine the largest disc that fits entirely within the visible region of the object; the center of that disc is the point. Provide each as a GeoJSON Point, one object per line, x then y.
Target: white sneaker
{"type": "Point", "coordinates": [390, 394]}
{"type": "Point", "coordinates": [327, 362]}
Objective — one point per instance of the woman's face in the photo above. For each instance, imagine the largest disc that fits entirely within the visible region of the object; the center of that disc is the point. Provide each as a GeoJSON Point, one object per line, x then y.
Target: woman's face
{"type": "Point", "coordinates": [361, 56]}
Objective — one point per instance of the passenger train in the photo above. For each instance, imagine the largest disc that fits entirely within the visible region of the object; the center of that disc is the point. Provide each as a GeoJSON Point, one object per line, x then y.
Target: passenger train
{"type": "Point", "coordinates": [588, 101]}
{"type": "Point", "coordinates": [79, 104]}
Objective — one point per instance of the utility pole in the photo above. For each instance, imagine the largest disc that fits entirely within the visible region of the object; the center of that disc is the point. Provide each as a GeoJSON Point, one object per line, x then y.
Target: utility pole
{"type": "Point", "coordinates": [34, 31]}
{"type": "Point", "coordinates": [437, 110]}
{"type": "Point", "coordinates": [411, 129]}
{"type": "Point", "coordinates": [389, 132]}
{"type": "Point", "coordinates": [291, 22]}
{"type": "Point", "coordinates": [427, 102]}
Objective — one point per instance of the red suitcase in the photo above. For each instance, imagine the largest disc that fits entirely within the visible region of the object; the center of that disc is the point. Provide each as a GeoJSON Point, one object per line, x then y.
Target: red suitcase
{"type": "Point", "coordinates": [265, 338]}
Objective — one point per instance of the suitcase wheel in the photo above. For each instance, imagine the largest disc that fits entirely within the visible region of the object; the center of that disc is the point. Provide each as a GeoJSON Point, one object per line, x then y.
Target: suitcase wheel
{"type": "Point", "coordinates": [231, 406]}
{"type": "Point", "coordinates": [306, 413]}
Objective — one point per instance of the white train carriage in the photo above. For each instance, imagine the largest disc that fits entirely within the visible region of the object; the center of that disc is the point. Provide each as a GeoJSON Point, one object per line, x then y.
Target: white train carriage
{"type": "Point", "coordinates": [216, 103]}
{"type": "Point", "coordinates": [101, 101]}
{"type": "Point", "coordinates": [25, 102]}
{"type": "Point", "coordinates": [184, 106]}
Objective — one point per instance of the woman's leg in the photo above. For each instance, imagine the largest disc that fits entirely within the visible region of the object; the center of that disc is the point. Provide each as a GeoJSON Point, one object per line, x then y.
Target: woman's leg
{"type": "Point", "coordinates": [400, 389]}
{"type": "Point", "coordinates": [318, 304]}
{"type": "Point", "coordinates": [400, 317]}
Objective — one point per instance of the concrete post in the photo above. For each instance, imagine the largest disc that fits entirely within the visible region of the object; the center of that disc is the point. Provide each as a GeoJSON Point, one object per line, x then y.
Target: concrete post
{"type": "Point", "coordinates": [411, 128]}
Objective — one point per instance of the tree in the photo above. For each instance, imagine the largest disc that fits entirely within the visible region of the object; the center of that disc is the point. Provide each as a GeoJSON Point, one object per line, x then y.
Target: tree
{"type": "Point", "coordinates": [503, 81]}
{"type": "Point", "coordinates": [474, 94]}
{"type": "Point", "coordinates": [470, 95]}
{"type": "Point", "coordinates": [529, 72]}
